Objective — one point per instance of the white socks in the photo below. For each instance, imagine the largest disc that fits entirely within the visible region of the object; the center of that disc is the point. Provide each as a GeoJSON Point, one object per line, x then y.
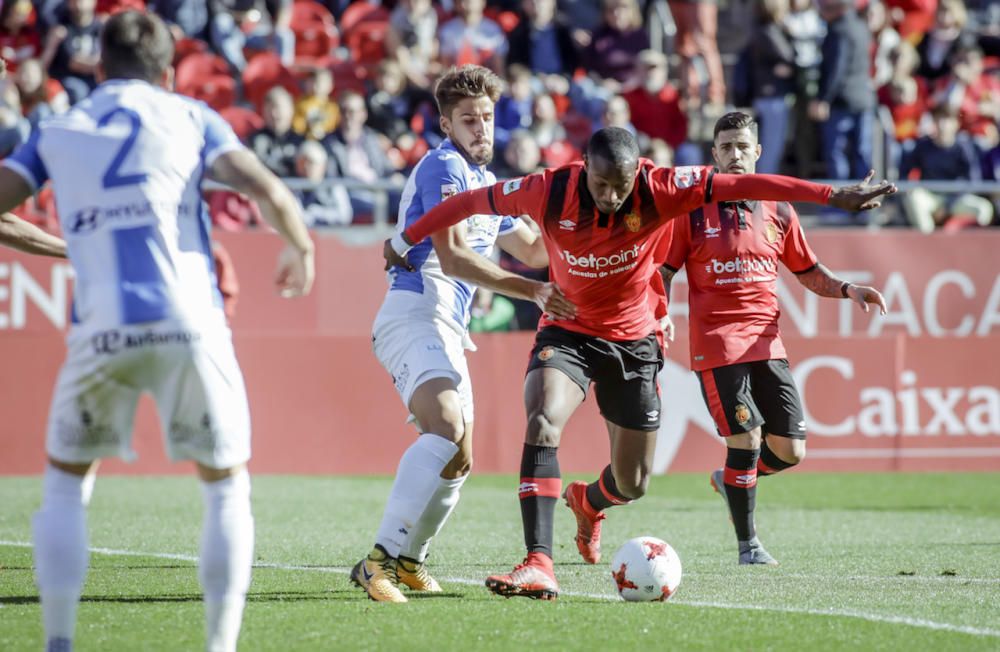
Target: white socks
{"type": "Point", "coordinates": [226, 558]}
{"type": "Point", "coordinates": [61, 556]}
{"type": "Point", "coordinates": [416, 482]}
{"type": "Point", "coordinates": [438, 510]}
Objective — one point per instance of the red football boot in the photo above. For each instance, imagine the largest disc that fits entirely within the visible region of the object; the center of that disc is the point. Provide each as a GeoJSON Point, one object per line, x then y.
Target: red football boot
{"type": "Point", "coordinates": [588, 522]}
{"type": "Point", "coordinates": [533, 578]}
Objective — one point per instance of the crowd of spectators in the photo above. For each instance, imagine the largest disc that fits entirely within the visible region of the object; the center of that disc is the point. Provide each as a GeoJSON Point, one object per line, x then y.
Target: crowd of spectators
{"type": "Point", "coordinates": [328, 89]}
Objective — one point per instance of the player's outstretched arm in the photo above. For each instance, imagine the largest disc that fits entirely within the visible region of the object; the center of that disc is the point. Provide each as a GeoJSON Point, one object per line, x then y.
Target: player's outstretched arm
{"type": "Point", "coordinates": [24, 236]}
{"type": "Point", "coordinates": [460, 261]}
{"type": "Point", "coordinates": [772, 187]}
{"type": "Point", "coordinates": [448, 213]}
{"type": "Point", "coordinates": [241, 170]}
{"type": "Point", "coordinates": [822, 281]}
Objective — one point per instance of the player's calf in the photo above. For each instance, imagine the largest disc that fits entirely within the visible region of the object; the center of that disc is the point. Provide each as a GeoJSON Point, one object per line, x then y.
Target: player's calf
{"type": "Point", "coordinates": [779, 453]}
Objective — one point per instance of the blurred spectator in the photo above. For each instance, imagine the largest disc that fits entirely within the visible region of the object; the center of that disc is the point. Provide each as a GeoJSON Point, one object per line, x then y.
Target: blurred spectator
{"type": "Point", "coordinates": [490, 312]}
{"type": "Point", "coordinates": [277, 144]}
{"type": "Point", "coordinates": [394, 104]}
{"type": "Point", "coordinates": [272, 31]}
{"type": "Point", "coordinates": [470, 37]}
{"type": "Point", "coordinates": [610, 57]}
{"type": "Point", "coordinates": [40, 96]}
{"type": "Point", "coordinates": [773, 75]}
{"type": "Point", "coordinates": [618, 114]}
{"type": "Point", "coordinates": [73, 48]}
{"type": "Point", "coordinates": [544, 45]}
{"type": "Point", "coordinates": [885, 39]}
{"type": "Point", "coordinates": [316, 114]}
{"type": "Point", "coordinates": [327, 204]}
{"type": "Point", "coordinates": [522, 156]}
{"type": "Point", "coordinates": [806, 30]}
{"type": "Point", "coordinates": [972, 94]}
{"type": "Point", "coordinates": [946, 154]}
{"type": "Point", "coordinates": [513, 109]}
{"type": "Point", "coordinates": [185, 18]}
{"type": "Point", "coordinates": [947, 34]}
{"type": "Point", "coordinates": [356, 153]}
{"type": "Point", "coordinates": [845, 102]}
{"type": "Point", "coordinates": [19, 37]}
{"type": "Point", "coordinates": [905, 95]}
{"type": "Point", "coordinates": [226, 281]}
{"type": "Point", "coordinates": [14, 129]}
{"type": "Point", "coordinates": [412, 39]}
{"type": "Point", "coordinates": [660, 153]}
{"type": "Point", "coordinates": [655, 105]}
{"type": "Point", "coordinates": [697, 27]}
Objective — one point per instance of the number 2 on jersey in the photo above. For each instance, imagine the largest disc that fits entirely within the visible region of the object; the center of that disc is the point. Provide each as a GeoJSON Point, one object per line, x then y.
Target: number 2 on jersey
{"type": "Point", "coordinates": [113, 177]}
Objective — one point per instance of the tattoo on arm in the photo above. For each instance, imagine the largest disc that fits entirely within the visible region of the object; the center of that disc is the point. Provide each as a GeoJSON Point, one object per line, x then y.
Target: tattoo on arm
{"type": "Point", "coordinates": [821, 281]}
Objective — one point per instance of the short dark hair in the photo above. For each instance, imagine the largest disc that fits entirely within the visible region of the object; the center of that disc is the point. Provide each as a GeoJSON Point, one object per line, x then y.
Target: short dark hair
{"type": "Point", "coordinates": [615, 145]}
{"type": "Point", "coordinates": [464, 82]}
{"type": "Point", "coordinates": [735, 120]}
{"type": "Point", "coordinates": [136, 45]}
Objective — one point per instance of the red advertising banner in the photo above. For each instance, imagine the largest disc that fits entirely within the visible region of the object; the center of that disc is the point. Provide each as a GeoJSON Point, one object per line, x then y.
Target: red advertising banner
{"type": "Point", "coordinates": [917, 389]}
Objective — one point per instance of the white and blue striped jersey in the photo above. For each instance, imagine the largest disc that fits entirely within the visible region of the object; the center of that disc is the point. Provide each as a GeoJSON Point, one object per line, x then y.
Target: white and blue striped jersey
{"type": "Point", "coordinates": [426, 293]}
{"type": "Point", "coordinates": [126, 166]}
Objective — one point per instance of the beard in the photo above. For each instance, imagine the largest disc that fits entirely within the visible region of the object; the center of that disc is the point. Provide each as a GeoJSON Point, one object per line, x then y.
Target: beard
{"type": "Point", "coordinates": [483, 159]}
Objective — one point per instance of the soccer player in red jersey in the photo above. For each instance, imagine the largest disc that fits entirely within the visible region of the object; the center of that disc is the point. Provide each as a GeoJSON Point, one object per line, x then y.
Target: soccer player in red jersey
{"type": "Point", "coordinates": [601, 220]}
{"type": "Point", "coordinates": [731, 251]}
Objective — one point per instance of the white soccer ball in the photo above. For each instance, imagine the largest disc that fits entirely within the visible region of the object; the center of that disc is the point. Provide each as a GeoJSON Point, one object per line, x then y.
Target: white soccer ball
{"type": "Point", "coordinates": [646, 569]}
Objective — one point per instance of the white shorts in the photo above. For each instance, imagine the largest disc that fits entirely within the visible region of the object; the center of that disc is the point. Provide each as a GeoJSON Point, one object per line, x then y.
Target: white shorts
{"type": "Point", "coordinates": [414, 352]}
{"type": "Point", "coordinates": [192, 375]}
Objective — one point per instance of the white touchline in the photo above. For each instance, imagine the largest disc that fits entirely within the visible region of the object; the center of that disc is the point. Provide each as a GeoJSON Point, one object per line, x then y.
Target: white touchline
{"type": "Point", "coordinates": [841, 613]}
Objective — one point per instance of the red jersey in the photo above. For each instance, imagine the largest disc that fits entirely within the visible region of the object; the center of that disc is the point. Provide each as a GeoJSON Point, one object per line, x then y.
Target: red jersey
{"type": "Point", "coordinates": [732, 253]}
{"type": "Point", "coordinates": [603, 263]}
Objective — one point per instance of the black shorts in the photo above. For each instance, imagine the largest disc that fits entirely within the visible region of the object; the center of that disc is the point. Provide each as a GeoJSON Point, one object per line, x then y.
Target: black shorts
{"type": "Point", "coordinates": [741, 397]}
{"type": "Point", "coordinates": [624, 373]}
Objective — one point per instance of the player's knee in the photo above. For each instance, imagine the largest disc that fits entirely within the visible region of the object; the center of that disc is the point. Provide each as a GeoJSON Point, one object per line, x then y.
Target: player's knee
{"type": "Point", "coordinates": [459, 465]}
{"type": "Point", "coordinates": [797, 453]}
{"type": "Point", "coordinates": [542, 431]}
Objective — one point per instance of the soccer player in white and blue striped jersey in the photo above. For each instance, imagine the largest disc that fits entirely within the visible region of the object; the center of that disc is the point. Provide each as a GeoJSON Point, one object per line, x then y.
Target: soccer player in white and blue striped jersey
{"type": "Point", "coordinates": [126, 166]}
{"type": "Point", "coordinates": [420, 333]}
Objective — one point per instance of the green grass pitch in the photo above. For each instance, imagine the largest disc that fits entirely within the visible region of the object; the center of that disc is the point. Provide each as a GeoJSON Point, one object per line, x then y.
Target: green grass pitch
{"type": "Point", "coordinates": [891, 562]}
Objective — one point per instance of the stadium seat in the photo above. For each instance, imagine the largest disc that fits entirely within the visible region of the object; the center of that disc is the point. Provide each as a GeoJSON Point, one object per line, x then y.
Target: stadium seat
{"type": "Point", "coordinates": [263, 72]}
{"type": "Point", "coordinates": [186, 47]}
{"type": "Point", "coordinates": [217, 91]}
{"type": "Point", "coordinates": [196, 68]}
{"type": "Point", "coordinates": [243, 121]}
{"type": "Point", "coordinates": [109, 7]}
{"type": "Point", "coordinates": [315, 31]}
{"type": "Point", "coordinates": [559, 153]}
{"type": "Point", "coordinates": [348, 75]}
{"type": "Point", "coordinates": [363, 28]}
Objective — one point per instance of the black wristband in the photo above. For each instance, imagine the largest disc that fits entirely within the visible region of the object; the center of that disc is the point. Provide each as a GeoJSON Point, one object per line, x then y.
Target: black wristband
{"type": "Point", "coordinates": [843, 289]}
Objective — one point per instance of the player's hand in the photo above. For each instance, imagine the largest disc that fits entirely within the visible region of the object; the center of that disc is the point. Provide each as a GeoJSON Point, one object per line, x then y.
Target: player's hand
{"type": "Point", "coordinates": [296, 271]}
{"type": "Point", "coordinates": [861, 196]}
{"type": "Point", "coordinates": [392, 259]}
{"type": "Point", "coordinates": [551, 300]}
{"type": "Point", "coordinates": [667, 326]}
{"type": "Point", "coordinates": [863, 295]}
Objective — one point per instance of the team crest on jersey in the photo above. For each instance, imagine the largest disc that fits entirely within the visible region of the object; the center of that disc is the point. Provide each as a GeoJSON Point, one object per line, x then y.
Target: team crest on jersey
{"type": "Point", "coordinates": [633, 222]}
{"type": "Point", "coordinates": [686, 176]}
{"type": "Point", "coordinates": [771, 231]}
{"type": "Point", "coordinates": [546, 353]}
{"type": "Point", "coordinates": [448, 190]}
{"type": "Point", "coordinates": [742, 414]}
{"type": "Point", "coordinates": [511, 186]}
